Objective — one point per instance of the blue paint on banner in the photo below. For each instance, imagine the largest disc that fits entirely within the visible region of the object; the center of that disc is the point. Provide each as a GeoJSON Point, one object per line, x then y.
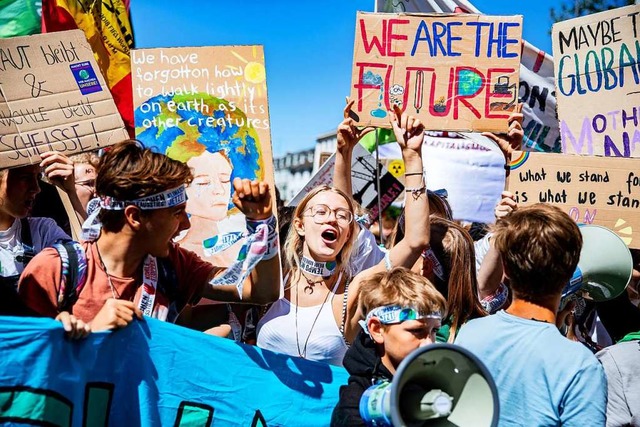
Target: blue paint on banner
{"type": "Point", "coordinates": [153, 373]}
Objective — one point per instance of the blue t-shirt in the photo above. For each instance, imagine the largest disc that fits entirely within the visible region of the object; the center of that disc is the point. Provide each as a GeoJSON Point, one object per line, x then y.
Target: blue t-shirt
{"type": "Point", "coordinates": [543, 379]}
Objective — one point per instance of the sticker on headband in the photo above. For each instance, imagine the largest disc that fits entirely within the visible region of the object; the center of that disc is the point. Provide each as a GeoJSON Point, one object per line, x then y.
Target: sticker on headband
{"type": "Point", "coordinates": [166, 199]}
{"type": "Point", "coordinates": [392, 314]}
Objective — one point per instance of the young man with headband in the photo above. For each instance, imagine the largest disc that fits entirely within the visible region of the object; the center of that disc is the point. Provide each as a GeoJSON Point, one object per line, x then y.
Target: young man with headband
{"type": "Point", "coordinates": [404, 311]}
{"type": "Point", "coordinates": [142, 208]}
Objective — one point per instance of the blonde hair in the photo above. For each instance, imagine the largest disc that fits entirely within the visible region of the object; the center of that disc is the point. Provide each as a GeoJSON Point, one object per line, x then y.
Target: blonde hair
{"type": "Point", "coordinates": [400, 286]}
{"type": "Point", "coordinates": [294, 242]}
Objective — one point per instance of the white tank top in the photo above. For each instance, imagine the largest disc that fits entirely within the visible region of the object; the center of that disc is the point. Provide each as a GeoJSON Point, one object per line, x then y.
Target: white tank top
{"type": "Point", "coordinates": [277, 331]}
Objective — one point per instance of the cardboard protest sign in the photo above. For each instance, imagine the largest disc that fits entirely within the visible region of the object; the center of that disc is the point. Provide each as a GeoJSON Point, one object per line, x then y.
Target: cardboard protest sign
{"type": "Point", "coordinates": [363, 182]}
{"type": "Point", "coordinates": [537, 82]}
{"type": "Point", "coordinates": [598, 83]}
{"type": "Point", "coordinates": [592, 190]}
{"type": "Point", "coordinates": [452, 71]}
{"type": "Point", "coordinates": [207, 107]}
{"type": "Point", "coordinates": [53, 97]}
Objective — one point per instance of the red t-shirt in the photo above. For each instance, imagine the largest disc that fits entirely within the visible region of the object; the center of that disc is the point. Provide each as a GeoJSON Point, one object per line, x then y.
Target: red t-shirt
{"type": "Point", "coordinates": [40, 283]}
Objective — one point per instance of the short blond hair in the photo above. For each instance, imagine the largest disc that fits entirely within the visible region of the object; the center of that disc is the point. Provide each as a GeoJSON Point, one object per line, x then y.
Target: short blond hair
{"type": "Point", "coordinates": [400, 286]}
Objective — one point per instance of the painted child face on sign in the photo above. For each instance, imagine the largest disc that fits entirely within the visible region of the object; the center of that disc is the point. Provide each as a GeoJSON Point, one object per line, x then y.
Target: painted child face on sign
{"type": "Point", "coordinates": [210, 189]}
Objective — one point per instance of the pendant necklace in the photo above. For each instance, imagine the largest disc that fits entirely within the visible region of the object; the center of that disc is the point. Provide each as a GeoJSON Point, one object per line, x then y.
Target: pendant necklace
{"type": "Point", "coordinates": [324, 270]}
{"type": "Point", "coordinates": [303, 353]}
{"type": "Point", "coordinates": [310, 286]}
{"type": "Point", "coordinates": [104, 268]}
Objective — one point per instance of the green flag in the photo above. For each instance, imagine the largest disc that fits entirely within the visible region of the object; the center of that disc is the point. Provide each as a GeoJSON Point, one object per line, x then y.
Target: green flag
{"type": "Point", "coordinates": [385, 136]}
{"type": "Point", "coordinates": [19, 18]}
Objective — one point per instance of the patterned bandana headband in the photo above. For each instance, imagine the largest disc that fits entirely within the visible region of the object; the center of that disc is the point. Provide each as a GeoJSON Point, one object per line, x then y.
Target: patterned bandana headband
{"type": "Point", "coordinates": [166, 199]}
{"type": "Point", "coordinates": [316, 268]}
{"type": "Point", "coordinates": [393, 314]}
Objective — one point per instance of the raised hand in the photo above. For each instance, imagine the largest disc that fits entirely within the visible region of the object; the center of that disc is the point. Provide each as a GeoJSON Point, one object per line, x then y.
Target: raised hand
{"type": "Point", "coordinates": [512, 140]}
{"type": "Point", "coordinates": [114, 314]}
{"type": "Point", "coordinates": [74, 327]}
{"type": "Point", "coordinates": [348, 133]}
{"type": "Point", "coordinates": [506, 205]}
{"type": "Point", "coordinates": [58, 169]}
{"type": "Point", "coordinates": [409, 130]}
{"type": "Point", "coordinates": [252, 198]}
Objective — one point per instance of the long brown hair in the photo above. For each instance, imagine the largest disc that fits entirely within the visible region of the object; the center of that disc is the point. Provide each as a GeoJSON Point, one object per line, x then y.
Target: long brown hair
{"type": "Point", "coordinates": [453, 247]}
{"type": "Point", "coordinates": [293, 244]}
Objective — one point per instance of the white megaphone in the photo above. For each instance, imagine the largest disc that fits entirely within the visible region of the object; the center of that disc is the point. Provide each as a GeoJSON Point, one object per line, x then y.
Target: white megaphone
{"type": "Point", "coordinates": [605, 266]}
{"type": "Point", "coordinates": [436, 385]}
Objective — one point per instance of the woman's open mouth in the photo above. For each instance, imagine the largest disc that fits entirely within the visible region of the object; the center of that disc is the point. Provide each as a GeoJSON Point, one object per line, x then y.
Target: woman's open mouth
{"type": "Point", "coordinates": [329, 236]}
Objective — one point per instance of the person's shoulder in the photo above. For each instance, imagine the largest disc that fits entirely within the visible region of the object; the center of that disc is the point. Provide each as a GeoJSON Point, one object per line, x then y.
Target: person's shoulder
{"type": "Point", "coordinates": [46, 230]}
{"type": "Point", "coordinates": [41, 221]}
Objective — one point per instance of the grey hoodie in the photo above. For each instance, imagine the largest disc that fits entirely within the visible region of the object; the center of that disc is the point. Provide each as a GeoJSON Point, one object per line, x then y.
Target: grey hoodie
{"type": "Point", "coordinates": [621, 364]}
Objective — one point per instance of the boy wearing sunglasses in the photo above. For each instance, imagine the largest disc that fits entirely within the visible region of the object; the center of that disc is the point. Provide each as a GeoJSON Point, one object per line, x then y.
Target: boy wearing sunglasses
{"type": "Point", "coordinates": [404, 311]}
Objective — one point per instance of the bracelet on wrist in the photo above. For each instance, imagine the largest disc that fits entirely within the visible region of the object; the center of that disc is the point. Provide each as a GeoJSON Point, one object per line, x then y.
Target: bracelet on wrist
{"type": "Point", "coordinates": [416, 192]}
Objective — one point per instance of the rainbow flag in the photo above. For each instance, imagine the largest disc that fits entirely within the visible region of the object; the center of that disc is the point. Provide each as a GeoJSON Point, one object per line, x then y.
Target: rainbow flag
{"type": "Point", "coordinates": [107, 27]}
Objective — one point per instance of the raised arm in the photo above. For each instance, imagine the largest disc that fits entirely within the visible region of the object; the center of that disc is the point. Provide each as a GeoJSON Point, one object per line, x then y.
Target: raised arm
{"type": "Point", "coordinates": [262, 285]}
{"type": "Point", "coordinates": [409, 133]}
{"type": "Point", "coordinates": [348, 136]}
{"type": "Point", "coordinates": [490, 272]}
{"type": "Point", "coordinates": [512, 140]}
{"type": "Point", "coordinates": [59, 170]}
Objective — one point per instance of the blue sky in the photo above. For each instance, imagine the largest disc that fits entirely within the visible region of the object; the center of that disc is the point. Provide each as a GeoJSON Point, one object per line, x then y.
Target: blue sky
{"type": "Point", "coordinates": [308, 49]}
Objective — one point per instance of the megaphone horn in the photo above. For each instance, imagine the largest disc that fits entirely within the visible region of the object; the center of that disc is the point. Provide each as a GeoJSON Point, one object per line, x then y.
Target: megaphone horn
{"type": "Point", "coordinates": [436, 385]}
{"type": "Point", "coordinates": [605, 265]}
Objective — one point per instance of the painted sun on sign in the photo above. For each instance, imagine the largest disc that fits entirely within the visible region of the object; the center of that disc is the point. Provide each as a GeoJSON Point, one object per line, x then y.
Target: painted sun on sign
{"type": "Point", "coordinates": [254, 72]}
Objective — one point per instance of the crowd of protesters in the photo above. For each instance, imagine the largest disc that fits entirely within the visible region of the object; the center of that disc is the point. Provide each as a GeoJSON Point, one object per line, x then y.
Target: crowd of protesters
{"type": "Point", "coordinates": [336, 296]}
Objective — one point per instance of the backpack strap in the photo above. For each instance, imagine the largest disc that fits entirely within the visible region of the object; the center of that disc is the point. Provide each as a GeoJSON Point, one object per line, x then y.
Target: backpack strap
{"type": "Point", "coordinates": [168, 285]}
{"type": "Point", "coordinates": [27, 242]}
{"type": "Point", "coordinates": [74, 273]}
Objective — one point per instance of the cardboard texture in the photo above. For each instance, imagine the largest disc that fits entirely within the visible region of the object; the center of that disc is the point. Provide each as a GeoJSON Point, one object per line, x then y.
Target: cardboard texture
{"type": "Point", "coordinates": [592, 190]}
{"type": "Point", "coordinates": [53, 97]}
{"type": "Point", "coordinates": [207, 106]}
{"type": "Point", "coordinates": [453, 71]}
{"type": "Point", "coordinates": [598, 83]}
{"type": "Point", "coordinates": [363, 182]}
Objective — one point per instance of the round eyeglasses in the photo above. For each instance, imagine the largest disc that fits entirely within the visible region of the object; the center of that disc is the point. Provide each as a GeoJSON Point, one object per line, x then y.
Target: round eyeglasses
{"type": "Point", "coordinates": [321, 214]}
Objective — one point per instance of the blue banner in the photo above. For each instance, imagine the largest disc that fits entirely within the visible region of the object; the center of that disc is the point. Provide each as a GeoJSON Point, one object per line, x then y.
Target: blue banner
{"type": "Point", "coordinates": [155, 374]}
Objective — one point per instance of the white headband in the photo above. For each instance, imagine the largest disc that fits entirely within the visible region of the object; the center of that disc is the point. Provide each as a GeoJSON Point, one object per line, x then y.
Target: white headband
{"type": "Point", "coordinates": [392, 314]}
{"type": "Point", "coordinates": [166, 199]}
